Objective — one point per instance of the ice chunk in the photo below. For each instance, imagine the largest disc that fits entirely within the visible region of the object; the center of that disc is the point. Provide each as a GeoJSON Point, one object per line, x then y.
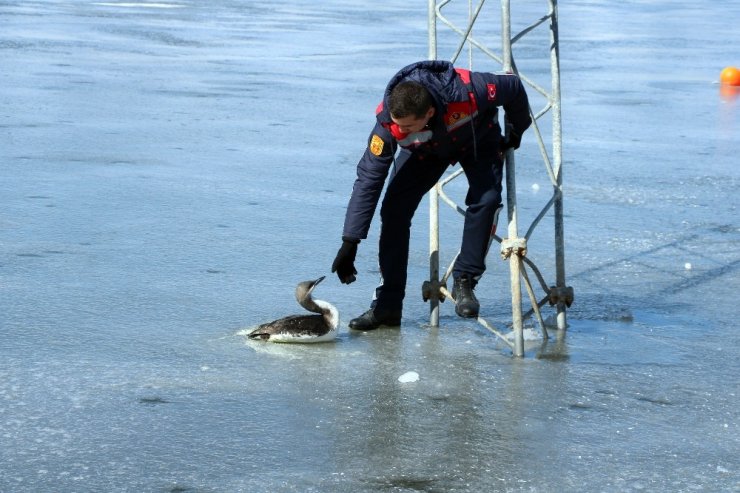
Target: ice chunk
{"type": "Point", "coordinates": [408, 377]}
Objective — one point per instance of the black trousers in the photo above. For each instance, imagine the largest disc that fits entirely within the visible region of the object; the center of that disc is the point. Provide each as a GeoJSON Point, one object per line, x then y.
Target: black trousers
{"type": "Point", "coordinates": [413, 177]}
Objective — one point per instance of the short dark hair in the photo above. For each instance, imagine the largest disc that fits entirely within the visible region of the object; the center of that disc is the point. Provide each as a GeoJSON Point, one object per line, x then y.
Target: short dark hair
{"type": "Point", "coordinates": [409, 98]}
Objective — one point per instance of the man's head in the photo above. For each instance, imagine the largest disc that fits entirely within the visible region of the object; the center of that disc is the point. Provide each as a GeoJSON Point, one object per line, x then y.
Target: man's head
{"type": "Point", "coordinates": [410, 106]}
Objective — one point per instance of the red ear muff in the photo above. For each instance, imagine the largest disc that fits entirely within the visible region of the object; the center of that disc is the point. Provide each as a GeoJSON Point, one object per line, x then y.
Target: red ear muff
{"type": "Point", "coordinates": [396, 132]}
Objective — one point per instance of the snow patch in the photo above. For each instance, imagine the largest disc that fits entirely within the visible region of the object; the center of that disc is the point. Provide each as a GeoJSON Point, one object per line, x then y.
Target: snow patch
{"type": "Point", "coordinates": [408, 377]}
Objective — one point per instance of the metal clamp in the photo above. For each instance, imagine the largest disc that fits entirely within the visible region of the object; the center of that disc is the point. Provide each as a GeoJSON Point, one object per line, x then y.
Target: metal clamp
{"type": "Point", "coordinates": [432, 288]}
{"type": "Point", "coordinates": [561, 295]}
{"type": "Point", "coordinates": [513, 246]}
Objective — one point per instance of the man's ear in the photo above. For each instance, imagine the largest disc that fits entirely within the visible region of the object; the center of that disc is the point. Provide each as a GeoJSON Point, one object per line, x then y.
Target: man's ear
{"type": "Point", "coordinates": [430, 112]}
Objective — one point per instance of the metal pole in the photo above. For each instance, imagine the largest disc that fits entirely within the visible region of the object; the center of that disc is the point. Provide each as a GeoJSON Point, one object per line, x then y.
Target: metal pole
{"type": "Point", "coordinates": [434, 255]}
{"type": "Point", "coordinates": [433, 194]}
{"type": "Point", "coordinates": [432, 28]}
{"type": "Point", "coordinates": [471, 21]}
{"type": "Point", "coordinates": [557, 161]}
{"type": "Point", "coordinates": [514, 259]}
{"type": "Point", "coordinates": [513, 248]}
{"type": "Point", "coordinates": [506, 34]}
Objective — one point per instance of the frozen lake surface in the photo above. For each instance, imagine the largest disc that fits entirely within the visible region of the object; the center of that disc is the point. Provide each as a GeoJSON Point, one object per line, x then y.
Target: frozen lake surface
{"type": "Point", "coordinates": [170, 171]}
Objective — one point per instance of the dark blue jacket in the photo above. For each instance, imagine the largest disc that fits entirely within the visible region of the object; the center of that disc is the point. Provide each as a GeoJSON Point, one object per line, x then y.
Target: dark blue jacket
{"type": "Point", "coordinates": [452, 136]}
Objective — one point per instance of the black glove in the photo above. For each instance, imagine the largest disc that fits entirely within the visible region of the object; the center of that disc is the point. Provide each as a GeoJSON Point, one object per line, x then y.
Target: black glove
{"type": "Point", "coordinates": [512, 141]}
{"type": "Point", "coordinates": [344, 264]}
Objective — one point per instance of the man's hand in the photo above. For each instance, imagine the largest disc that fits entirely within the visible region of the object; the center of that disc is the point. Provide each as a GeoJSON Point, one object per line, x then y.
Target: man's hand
{"type": "Point", "coordinates": [513, 138]}
{"type": "Point", "coordinates": [512, 141]}
{"type": "Point", "coordinates": [344, 263]}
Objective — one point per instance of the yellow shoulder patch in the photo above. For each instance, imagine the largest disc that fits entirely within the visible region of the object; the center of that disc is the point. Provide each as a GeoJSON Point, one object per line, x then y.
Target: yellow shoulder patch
{"type": "Point", "coordinates": [376, 145]}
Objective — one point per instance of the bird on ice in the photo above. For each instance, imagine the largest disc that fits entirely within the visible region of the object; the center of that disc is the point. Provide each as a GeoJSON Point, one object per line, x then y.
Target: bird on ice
{"type": "Point", "coordinates": [302, 328]}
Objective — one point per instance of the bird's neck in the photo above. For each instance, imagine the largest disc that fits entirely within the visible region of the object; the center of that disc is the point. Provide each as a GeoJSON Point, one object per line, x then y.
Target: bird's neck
{"type": "Point", "coordinates": [330, 312]}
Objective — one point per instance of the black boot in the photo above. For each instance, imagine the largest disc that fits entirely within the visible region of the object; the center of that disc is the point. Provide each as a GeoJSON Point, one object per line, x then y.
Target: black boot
{"type": "Point", "coordinates": [373, 318]}
{"type": "Point", "coordinates": [466, 304]}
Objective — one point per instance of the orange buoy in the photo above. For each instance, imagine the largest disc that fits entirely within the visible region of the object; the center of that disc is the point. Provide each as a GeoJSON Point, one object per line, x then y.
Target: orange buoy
{"type": "Point", "coordinates": [730, 76]}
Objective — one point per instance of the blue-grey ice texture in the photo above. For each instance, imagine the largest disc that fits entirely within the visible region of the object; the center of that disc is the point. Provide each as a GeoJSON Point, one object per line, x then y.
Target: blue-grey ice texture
{"type": "Point", "coordinates": [170, 171]}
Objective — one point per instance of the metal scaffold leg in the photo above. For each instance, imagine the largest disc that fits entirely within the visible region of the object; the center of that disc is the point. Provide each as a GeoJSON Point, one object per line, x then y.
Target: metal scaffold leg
{"type": "Point", "coordinates": [513, 247]}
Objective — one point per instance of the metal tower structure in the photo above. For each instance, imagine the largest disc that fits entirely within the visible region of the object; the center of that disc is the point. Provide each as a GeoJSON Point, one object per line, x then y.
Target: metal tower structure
{"type": "Point", "coordinates": [513, 247]}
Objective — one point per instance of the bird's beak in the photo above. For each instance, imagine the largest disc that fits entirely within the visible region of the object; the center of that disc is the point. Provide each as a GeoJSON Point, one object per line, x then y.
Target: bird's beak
{"type": "Point", "coordinates": [315, 283]}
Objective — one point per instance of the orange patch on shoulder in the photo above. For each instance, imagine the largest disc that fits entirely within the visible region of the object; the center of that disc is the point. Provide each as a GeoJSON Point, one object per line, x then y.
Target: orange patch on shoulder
{"type": "Point", "coordinates": [376, 145]}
